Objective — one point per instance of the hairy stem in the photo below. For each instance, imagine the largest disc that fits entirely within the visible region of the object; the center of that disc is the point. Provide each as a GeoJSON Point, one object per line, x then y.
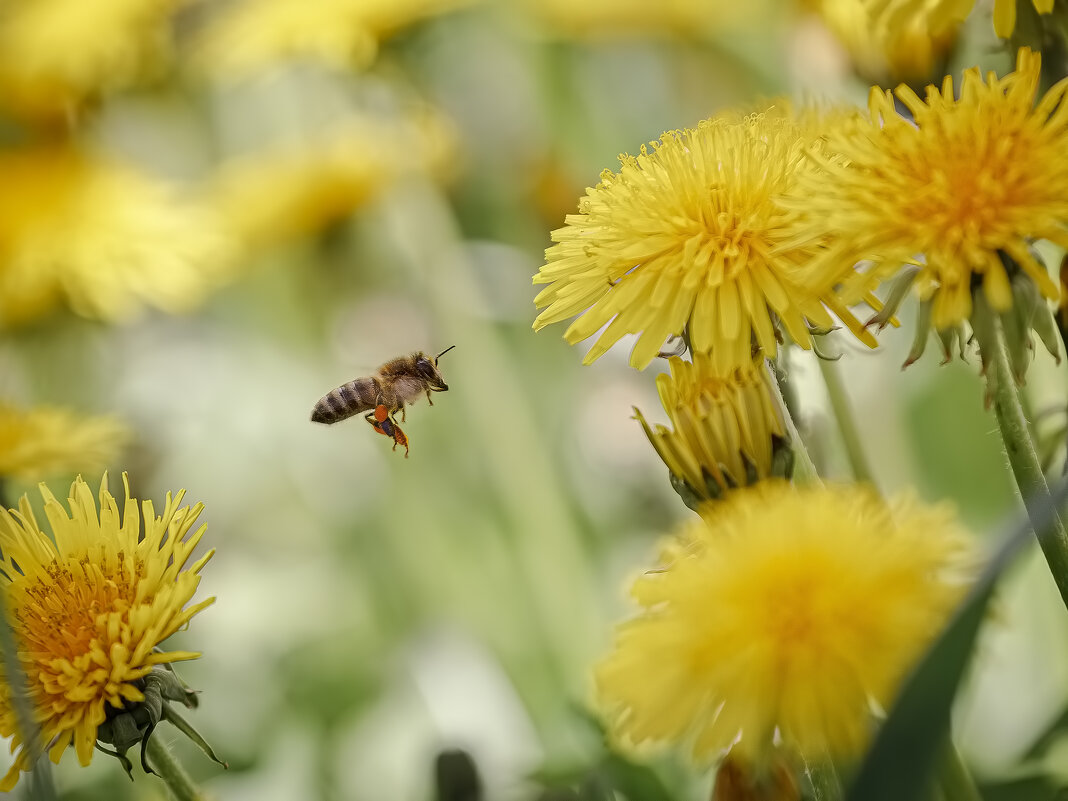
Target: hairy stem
{"type": "Point", "coordinates": [178, 781]}
{"type": "Point", "coordinates": [1015, 434]}
{"type": "Point", "coordinates": [847, 425]}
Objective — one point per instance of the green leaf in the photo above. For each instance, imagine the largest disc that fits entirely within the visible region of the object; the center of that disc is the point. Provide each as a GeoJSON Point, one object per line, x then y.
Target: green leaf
{"type": "Point", "coordinates": [901, 760]}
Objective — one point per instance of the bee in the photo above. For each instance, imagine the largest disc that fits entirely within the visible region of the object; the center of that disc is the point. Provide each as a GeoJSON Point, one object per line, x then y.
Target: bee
{"type": "Point", "coordinates": [395, 384]}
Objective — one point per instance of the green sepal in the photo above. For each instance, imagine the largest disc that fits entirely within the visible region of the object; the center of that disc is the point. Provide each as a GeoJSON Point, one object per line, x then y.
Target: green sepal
{"type": "Point", "coordinates": [187, 729]}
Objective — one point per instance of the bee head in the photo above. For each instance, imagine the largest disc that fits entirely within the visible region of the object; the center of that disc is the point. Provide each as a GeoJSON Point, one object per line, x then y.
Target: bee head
{"type": "Point", "coordinates": [427, 369]}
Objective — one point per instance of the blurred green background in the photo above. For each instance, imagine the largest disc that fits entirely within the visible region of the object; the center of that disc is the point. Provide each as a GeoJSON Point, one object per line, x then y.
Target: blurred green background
{"type": "Point", "coordinates": [373, 610]}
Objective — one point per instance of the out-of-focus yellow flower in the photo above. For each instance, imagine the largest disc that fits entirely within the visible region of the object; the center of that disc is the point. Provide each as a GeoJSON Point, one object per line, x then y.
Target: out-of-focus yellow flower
{"type": "Point", "coordinates": [600, 19]}
{"type": "Point", "coordinates": [298, 188]}
{"type": "Point", "coordinates": [909, 49]}
{"type": "Point", "coordinates": [961, 185]}
{"type": "Point", "coordinates": [725, 429]}
{"type": "Point", "coordinates": [893, 17]}
{"type": "Point", "coordinates": [100, 237]}
{"type": "Point", "coordinates": [691, 235]}
{"type": "Point", "coordinates": [783, 616]}
{"type": "Point", "coordinates": [251, 35]}
{"type": "Point", "coordinates": [43, 441]}
{"type": "Point", "coordinates": [89, 608]}
{"type": "Point", "coordinates": [55, 55]}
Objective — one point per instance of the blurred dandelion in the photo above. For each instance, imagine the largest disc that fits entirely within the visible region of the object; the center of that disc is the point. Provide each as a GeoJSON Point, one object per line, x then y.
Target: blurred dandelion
{"type": "Point", "coordinates": [898, 15]}
{"type": "Point", "coordinates": [791, 612]}
{"type": "Point", "coordinates": [958, 192]}
{"type": "Point", "coordinates": [910, 48]}
{"type": "Point", "coordinates": [250, 36]}
{"type": "Point", "coordinates": [690, 236]}
{"type": "Point", "coordinates": [725, 428]}
{"type": "Point", "coordinates": [43, 441]}
{"type": "Point", "coordinates": [600, 19]}
{"type": "Point", "coordinates": [100, 237]}
{"type": "Point", "coordinates": [296, 189]}
{"type": "Point", "coordinates": [89, 608]}
{"type": "Point", "coordinates": [58, 55]}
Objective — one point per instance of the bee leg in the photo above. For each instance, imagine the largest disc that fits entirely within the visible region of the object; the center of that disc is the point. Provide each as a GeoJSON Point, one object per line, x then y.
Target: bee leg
{"type": "Point", "coordinates": [428, 398]}
{"type": "Point", "coordinates": [404, 414]}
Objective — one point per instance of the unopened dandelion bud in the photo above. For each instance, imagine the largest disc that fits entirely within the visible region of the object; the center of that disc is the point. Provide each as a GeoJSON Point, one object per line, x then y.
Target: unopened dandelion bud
{"type": "Point", "coordinates": [726, 431]}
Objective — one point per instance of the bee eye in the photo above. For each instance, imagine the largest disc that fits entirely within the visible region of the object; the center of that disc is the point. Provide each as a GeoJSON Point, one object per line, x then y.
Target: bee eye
{"type": "Point", "coordinates": [425, 368]}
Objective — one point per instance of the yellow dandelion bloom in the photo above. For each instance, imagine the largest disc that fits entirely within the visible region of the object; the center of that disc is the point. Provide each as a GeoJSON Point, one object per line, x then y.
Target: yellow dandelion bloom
{"type": "Point", "coordinates": [251, 35]}
{"type": "Point", "coordinates": [57, 54]}
{"type": "Point", "coordinates": [725, 428]}
{"type": "Point", "coordinates": [89, 607]}
{"type": "Point", "coordinates": [690, 235]}
{"type": "Point", "coordinates": [296, 189]}
{"type": "Point", "coordinates": [963, 183]}
{"type": "Point", "coordinates": [35, 443]}
{"type": "Point", "coordinates": [895, 15]}
{"type": "Point", "coordinates": [100, 237]}
{"type": "Point", "coordinates": [785, 615]}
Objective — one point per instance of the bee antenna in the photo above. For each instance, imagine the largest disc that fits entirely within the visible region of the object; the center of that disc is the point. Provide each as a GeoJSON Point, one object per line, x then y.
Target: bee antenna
{"type": "Point", "coordinates": [443, 353]}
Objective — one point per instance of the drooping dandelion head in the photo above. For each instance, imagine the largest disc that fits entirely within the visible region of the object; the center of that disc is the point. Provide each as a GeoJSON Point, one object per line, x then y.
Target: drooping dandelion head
{"type": "Point", "coordinates": [725, 428]}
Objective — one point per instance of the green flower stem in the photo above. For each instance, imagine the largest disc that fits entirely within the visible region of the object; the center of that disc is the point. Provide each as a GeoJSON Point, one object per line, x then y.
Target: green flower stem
{"type": "Point", "coordinates": [178, 781]}
{"type": "Point", "coordinates": [847, 425]}
{"type": "Point", "coordinates": [1015, 434]}
{"type": "Point", "coordinates": [954, 779]}
{"type": "Point", "coordinates": [804, 469]}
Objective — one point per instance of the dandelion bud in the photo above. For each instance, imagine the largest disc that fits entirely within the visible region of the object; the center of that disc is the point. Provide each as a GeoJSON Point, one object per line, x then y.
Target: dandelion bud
{"type": "Point", "coordinates": [725, 429]}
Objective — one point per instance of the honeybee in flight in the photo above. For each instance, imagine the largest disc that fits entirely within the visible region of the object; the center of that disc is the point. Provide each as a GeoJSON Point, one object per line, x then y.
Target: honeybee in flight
{"type": "Point", "coordinates": [396, 383]}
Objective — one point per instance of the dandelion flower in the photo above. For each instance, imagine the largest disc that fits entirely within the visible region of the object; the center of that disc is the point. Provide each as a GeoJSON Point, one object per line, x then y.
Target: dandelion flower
{"type": "Point", "coordinates": [90, 607]}
{"type": "Point", "coordinates": [960, 190]}
{"type": "Point", "coordinates": [55, 55]}
{"type": "Point", "coordinates": [690, 235]}
{"type": "Point", "coordinates": [786, 614]}
{"type": "Point", "coordinates": [725, 429]}
{"type": "Point", "coordinates": [101, 238]}
{"type": "Point", "coordinates": [39, 442]}
{"type": "Point", "coordinates": [251, 35]}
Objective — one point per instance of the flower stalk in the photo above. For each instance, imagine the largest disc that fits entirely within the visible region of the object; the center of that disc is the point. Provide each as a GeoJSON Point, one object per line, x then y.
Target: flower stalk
{"type": "Point", "coordinates": [847, 426]}
{"type": "Point", "coordinates": [1015, 434]}
{"type": "Point", "coordinates": [168, 768]}
{"type": "Point", "coordinates": [804, 468]}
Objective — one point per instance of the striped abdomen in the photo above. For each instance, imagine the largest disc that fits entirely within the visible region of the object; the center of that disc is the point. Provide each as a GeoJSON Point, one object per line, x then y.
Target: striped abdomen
{"type": "Point", "coordinates": [359, 395]}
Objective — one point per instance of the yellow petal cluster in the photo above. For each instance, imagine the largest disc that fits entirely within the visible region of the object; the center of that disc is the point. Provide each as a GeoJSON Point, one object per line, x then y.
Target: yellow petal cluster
{"type": "Point", "coordinates": [89, 606]}
{"type": "Point", "coordinates": [783, 615]}
{"type": "Point", "coordinates": [966, 179]}
{"type": "Point", "coordinates": [57, 55]}
{"type": "Point", "coordinates": [39, 442]}
{"type": "Point", "coordinates": [691, 235]}
{"type": "Point", "coordinates": [724, 427]}
{"type": "Point", "coordinates": [101, 238]}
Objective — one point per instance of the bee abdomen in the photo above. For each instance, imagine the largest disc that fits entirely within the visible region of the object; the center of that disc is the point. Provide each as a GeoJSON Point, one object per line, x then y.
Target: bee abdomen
{"type": "Point", "coordinates": [345, 401]}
